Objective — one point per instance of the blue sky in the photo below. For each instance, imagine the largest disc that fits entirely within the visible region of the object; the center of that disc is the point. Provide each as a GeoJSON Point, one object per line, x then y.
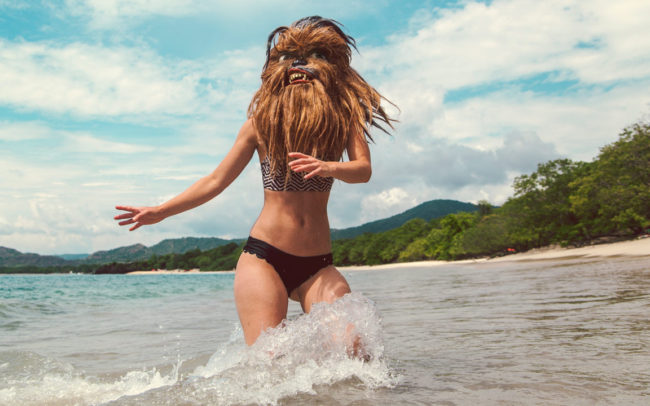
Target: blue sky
{"type": "Point", "coordinates": [106, 102]}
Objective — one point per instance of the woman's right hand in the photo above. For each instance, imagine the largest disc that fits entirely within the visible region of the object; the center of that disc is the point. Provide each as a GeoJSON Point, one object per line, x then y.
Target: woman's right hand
{"type": "Point", "coordinates": [139, 216]}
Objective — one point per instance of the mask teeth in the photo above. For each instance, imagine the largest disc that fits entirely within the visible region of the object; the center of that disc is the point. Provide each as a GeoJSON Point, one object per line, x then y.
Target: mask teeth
{"type": "Point", "coordinates": [297, 76]}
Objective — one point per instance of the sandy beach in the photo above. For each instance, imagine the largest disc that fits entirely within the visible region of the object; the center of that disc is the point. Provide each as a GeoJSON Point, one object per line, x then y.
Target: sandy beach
{"type": "Point", "coordinates": [639, 247]}
{"type": "Point", "coordinates": [165, 272]}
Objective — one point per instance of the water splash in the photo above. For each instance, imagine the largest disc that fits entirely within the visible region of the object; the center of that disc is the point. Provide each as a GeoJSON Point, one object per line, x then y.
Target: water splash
{"type": "Point", "coordinates": [301, 355]}
{"type": "Point", "coordinates": [336, 347]}
{"type": "Point", "coordinates": [31, 379]}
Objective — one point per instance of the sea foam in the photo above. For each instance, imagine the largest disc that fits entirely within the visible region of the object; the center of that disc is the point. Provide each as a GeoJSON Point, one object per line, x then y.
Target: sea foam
{"type": "Point", "coordinates": [337, 344]}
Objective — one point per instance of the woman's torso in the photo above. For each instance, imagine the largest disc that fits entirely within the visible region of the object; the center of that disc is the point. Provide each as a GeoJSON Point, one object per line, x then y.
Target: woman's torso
{"type": "Point", "coordinates": [294, 221]}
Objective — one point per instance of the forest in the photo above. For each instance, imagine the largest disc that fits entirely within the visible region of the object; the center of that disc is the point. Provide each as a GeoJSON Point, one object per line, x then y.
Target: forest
{"type": "Point", "coordinates": [565, 202]}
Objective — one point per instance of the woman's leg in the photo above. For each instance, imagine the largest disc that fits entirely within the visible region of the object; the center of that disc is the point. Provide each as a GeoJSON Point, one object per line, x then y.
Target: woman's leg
{"type": "Point", "coordinates": [260, 296]}
{"type": "Point", "coordinates": [326, 286]}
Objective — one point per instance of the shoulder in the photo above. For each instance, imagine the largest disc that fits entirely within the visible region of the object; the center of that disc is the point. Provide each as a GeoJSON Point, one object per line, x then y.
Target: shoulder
{"type": "Point", "coordinates": [248, 132]}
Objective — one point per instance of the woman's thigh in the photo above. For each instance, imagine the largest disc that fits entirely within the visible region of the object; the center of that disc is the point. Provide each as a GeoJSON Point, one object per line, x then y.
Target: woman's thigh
{"type": "Point", "coordinates": [326, 286]}
{"type": "Point", "coordinates": [260, 296]}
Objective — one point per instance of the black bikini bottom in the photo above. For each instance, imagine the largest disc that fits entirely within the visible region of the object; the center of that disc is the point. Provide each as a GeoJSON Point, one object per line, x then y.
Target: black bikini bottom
{"type": "Point", "coordinates": [293, 270]}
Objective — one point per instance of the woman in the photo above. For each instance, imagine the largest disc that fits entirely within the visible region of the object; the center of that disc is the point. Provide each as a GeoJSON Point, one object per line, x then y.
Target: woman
{"type": "Point", "coordinates": [311, 108]}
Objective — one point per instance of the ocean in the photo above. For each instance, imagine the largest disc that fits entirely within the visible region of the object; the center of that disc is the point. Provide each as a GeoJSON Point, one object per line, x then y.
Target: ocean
{"type": "Point", "coordinates": [569, 332]}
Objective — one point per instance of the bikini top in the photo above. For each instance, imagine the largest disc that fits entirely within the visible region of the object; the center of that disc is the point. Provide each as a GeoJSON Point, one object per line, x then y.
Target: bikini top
{"type": "Point", "coordinates": [296, 181]}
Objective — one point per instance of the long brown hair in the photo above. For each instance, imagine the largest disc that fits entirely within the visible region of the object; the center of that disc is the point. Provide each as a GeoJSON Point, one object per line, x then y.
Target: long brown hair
{"type": "Point", "coordinates": [317, 116]}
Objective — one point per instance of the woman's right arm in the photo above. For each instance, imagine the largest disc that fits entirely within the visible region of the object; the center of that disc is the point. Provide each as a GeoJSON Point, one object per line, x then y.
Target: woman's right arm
{"type": "Point", "coordinates": [202, 190]}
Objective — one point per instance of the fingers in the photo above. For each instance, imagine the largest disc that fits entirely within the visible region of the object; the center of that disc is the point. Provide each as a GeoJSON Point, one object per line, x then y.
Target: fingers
{"type": "Point", "coordinates": [132, 211]}
{"type": "Point", "coordinates": [129, 217]}
{"type": "Point", "coordinates": [131, 221]}
{"type": "Point", "coordinates": [305, 168]}
{"type": "Point", "coordinates": [313, 170]}
{"type": "Point", "coordinates": [299, 155]}
{"type": "Point", "coordinates": [303, 161]}
{"type": "Point", "coordinates": [313, 173]}
{"type": "Point", "coordinates": [126, 208]}
{"type": "Point", "coordinates": [133, 216]}
{"type": "Point", "coordinates": [123, 216]}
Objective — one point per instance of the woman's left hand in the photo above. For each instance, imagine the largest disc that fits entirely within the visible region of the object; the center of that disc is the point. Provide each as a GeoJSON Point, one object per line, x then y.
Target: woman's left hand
{"type": "Point", "coordinates": [309, 164]}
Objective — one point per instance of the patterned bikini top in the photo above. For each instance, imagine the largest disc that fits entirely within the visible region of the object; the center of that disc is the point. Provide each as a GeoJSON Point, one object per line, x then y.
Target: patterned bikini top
{"type": "Point", "coordinates": [296, 181]}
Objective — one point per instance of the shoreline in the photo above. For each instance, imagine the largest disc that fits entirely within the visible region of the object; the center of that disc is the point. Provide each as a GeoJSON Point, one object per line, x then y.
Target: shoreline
{"type": "Point", "coordinates": [176, 272]}
{"type": "Point", "coordinates": [639, 247]}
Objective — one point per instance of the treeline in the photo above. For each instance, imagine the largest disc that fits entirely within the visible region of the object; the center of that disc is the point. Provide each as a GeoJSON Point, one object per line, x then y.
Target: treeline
{"type": "Point", "coordinates": [30, 269]}
{"type": "Point", "coordinates": [564, 202]}
{"type": "Point", "coordinates": [217, 259]}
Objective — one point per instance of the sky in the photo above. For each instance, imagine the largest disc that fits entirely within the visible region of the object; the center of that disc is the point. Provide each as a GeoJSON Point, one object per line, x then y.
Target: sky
{"type": "Point", "coordinates": [106, 102]}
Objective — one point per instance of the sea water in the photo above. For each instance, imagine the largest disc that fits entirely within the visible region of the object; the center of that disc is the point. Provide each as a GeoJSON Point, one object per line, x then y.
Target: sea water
{"type": "Point", "coordinates": [574, 332]}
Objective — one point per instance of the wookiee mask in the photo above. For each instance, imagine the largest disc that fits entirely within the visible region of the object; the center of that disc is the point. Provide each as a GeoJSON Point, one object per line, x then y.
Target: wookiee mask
{"type": "Point", "coordinates": [311, 100]}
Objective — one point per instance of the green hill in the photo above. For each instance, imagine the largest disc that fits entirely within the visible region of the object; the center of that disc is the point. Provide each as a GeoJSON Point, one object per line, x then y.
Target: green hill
{"type": "Point", "coordinates": [139, 252]}
{"type": "Point", "coordinates": [10, 257]}
{"type": "Point", "coordinates": [426, 211]}
{"type": "Point", "coordinates": [182, 245]}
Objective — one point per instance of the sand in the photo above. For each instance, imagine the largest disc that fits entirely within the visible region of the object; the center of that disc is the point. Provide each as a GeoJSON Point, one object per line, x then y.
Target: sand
{"type": "Point", "coordinates": [634, 248]}
{"type": "Point", "coordinates": [639, 247]}
{"type": "Point", "coordinates": [164, 272]}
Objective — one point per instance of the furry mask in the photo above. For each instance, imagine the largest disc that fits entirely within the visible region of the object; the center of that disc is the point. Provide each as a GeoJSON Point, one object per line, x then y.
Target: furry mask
{"type": "Point", "coordinates": [311, 100]}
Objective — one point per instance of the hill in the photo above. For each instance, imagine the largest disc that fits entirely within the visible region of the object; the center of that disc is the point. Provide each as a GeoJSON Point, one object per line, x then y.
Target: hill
{"type": "Point", "coordinates": [139, 252]}
{"type": "Point", "coordinates": [10, 257]}
{"type": "Point", "coordinates": [426, 211]}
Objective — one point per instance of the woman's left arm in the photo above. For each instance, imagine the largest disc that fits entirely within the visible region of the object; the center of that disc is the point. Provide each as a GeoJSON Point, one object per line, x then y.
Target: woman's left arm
{"type": "Point", "coordinates": [357, 170]}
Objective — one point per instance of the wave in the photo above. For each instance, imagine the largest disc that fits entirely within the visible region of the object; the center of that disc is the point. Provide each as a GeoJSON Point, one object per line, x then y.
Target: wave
{"type": "Point", "coordinates": [335, 349]}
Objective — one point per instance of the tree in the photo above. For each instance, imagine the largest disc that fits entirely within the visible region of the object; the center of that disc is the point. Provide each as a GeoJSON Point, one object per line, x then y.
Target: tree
{"type": "Point", "coordinates": [615, 196]}
{"type": "Point", "coordinates": [484, 208]}
{"type": "Point", "coordinates": [544, 198]}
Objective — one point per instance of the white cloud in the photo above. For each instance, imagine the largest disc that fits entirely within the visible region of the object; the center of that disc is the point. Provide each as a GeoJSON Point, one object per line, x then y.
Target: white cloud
{"type": "Point", "coordinates": [107, 14]}
{"type": "Point", "coordinates": [501, 129]}
{"type": "Point", "coordinates": [577, 124]}
{"type": "Point", "coordinates": [91, 81]}
{"type": "Point", "coordinates": [86, 143]}
{"type": "Point", "coordinates": [386, 203]}
{"type": "Point", "coordinates": [129, 83]}
{"type": "Point", "coordinates": [22, 131]}
{"type": "Point", "coordinates": [511, 39]}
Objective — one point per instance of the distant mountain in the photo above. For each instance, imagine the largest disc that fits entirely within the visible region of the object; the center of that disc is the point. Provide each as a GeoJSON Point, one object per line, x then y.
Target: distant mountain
{"type": "Point", "coordinates": [11, 257]}
{"type": "Point", "coordinates": [182, 245]}
{"type": "Point", "coordinates": [73, 257]}
{"type": "Point", "coordinates": [427, 211]}
{"type": "Point", "coordinates": [122, 254]}
{"type": "Point", "coordinates": [139, 252]}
